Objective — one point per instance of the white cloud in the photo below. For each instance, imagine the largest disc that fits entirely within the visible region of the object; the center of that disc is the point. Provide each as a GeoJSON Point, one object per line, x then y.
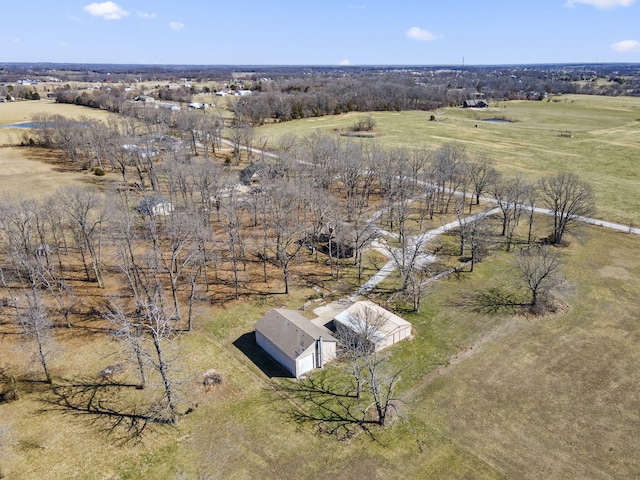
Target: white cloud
{"type": "Point", "coordinates": [421, 34]}
{"type": "Point", "coordinates": [146, 15]}
{"type": "Point", "coordinates": [601, 3]}
{"type": "Point", "coordinates": [176, 25]}
{"type": "Point", "coordinates": [344, 62]}
{"type": "Point", "coordinates": [626, 46]}
{"type": "Point", "coordinates": [106, 10]}
{"type": "Point", "coordinates": [16, 40]}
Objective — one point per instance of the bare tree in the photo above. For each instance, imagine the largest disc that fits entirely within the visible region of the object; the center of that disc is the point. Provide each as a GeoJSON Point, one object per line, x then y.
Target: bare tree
{"type": "Point", "coordinates": [358, 339]}
{"type": "Point", "coordinates": [510, 195]}
{"type": "Point", "coordinates": [36, 325]}
{"type": "Point", "coordinates": [149, 331]}
{"type": "Point", "coordinates": [233, 225]}
{"type": "Point", "coordinates": [482, 175]}
{"type": "Point", "coordinates": [568, 198]}
{"type": "Point", "coordinates": [86, 213]}
{"type": "Point", "coordinates": [448, 173]}
{"type": "Point", "coordinates": [285, 224]}
{"type": "Point", "coordinates": [540, 269]}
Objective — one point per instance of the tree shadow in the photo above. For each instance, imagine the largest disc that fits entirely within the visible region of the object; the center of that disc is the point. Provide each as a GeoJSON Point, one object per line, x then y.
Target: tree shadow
{"type": "Point", "coordinates": [102, 403]}
{"type": "Point", "coordinates": [246, 343]}
{"type": "Point", "coordinates": [320, 403]}
{"type": "Point", "coordinates": [494, 300]}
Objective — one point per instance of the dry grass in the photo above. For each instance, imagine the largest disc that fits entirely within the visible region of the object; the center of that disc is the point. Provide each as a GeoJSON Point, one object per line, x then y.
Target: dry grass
{"type": "Point", "coordinates": [23, 111]}
{"type": "Point", "coordinates": [32, 171]}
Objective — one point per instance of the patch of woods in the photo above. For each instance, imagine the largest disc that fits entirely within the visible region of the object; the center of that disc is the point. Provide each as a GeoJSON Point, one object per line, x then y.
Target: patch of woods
{"type": "Point", "coordinates": [172, 226]}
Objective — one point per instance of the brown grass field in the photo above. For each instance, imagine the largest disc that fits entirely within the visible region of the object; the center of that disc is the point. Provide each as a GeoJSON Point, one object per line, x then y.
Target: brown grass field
{"type": "Point", "coordinates": [32, 171]}
{"type": "Point", "coordinates": [500, 396]}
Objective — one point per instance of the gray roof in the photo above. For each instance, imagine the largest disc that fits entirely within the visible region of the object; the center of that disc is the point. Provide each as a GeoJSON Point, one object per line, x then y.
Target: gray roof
{"type": "Point", "coordinates": [290, 331]}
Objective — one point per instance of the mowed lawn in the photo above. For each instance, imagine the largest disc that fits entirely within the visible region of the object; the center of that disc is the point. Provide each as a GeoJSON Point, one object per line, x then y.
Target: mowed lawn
{"type": "Point", "coordinates": [604, 148]}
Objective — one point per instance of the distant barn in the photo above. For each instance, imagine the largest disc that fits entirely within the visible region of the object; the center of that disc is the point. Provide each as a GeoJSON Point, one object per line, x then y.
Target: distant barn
{"type": "Point", "coordinates": [475, 104]}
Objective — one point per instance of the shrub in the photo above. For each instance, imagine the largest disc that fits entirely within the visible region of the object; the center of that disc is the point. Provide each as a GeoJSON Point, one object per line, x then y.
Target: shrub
{"type": "Point", "coordinates": [99, 172]}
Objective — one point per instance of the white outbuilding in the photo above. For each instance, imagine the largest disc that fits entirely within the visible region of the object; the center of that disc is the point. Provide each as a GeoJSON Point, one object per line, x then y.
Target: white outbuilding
{"type": "Point", "coordinates": [374, 323]}
{"type": "Point", "coordinates": [294, 342]}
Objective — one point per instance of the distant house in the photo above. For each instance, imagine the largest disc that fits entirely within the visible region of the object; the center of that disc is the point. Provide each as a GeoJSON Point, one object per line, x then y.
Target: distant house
{"type": "Point", "coordinates": [238, 190]}
{"type": "Point", "coordinates": [168, 106]}
{"type": "Point", "coordinates": [380, 326]}
{"type": "Point", "coordinates": [155, 206]}
{"type": "Point", "coordinates": [475, 104]}
{"type": "Point", "coordinates": [294, 342]}
{"type": "Point", "coordinates": [144, 99]}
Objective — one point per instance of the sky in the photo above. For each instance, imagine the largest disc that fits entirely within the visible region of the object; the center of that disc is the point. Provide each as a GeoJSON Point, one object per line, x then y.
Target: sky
{"type": "Point", "coordinates": [323, 32]}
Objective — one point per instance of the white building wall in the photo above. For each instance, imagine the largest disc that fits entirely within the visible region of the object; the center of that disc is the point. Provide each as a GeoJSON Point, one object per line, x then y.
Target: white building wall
{"type": "Point", "coordinates": [276, 353]}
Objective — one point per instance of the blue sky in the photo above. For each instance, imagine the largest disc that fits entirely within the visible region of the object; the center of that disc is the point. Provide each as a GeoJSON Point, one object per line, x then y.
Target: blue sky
{"type": "Point", "coordinates": [323, 32]}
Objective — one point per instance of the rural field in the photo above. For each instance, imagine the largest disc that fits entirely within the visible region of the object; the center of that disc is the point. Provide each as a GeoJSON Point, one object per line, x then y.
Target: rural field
{"type": "Point", "coordinates": [483, 396]}
{"type": "Point", "coordinates": [27, 170]}
{"type": "Point", "coordinates": [522, 137]}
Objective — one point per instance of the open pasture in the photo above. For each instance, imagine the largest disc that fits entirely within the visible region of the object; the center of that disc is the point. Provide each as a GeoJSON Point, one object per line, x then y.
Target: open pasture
{"type": "Point", "coordinates": [602, 146]}
{"type": "Point", "coordinates": [29, 171]}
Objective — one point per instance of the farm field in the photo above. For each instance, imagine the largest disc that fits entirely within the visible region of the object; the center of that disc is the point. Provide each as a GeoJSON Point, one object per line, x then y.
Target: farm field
{"type": "Point", "coordinates": [32, 171]}
{"type": "Point", "coordinates": [500, 396]}
{"type": "Point", "coordinates": [604, 147]}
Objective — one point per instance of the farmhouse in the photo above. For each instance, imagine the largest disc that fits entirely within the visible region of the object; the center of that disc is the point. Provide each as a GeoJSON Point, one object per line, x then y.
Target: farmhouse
{"type": "Point", "coordinates": [475, 104]}
{"type": "Point", "coordinates": [144, 99]}
{"type": "Point", "coordinates": [378, 325]}
{"type": "Point", "coordinates": [155, 206]}
{"type": "Point", "coordinates": [294, 342]}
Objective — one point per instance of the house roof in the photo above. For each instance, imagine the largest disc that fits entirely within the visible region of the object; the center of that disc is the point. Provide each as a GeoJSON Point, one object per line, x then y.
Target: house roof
{"type": "Point", "coordinates": [475, 103]}
{"type": "Point", "coordinates": [384, 321]}
{"type": "Point", "coordinates": [290, 331]}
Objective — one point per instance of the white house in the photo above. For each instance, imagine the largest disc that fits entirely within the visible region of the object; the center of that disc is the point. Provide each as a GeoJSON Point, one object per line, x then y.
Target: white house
{"type": "Point", "coordinates": [294, 342]}
{"type": "Point", "coordinates": [377, 324]}
{"type": "Point", "coordinates": [155, 206]}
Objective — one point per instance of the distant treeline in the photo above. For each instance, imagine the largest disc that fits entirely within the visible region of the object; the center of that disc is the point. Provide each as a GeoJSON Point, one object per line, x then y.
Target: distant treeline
{"type": "Point", "coordinates": [289, 93]}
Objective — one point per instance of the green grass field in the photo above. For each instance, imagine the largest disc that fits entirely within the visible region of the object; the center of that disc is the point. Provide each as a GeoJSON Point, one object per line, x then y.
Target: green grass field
{"type": "Point", "coordinates": [604, 149]}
